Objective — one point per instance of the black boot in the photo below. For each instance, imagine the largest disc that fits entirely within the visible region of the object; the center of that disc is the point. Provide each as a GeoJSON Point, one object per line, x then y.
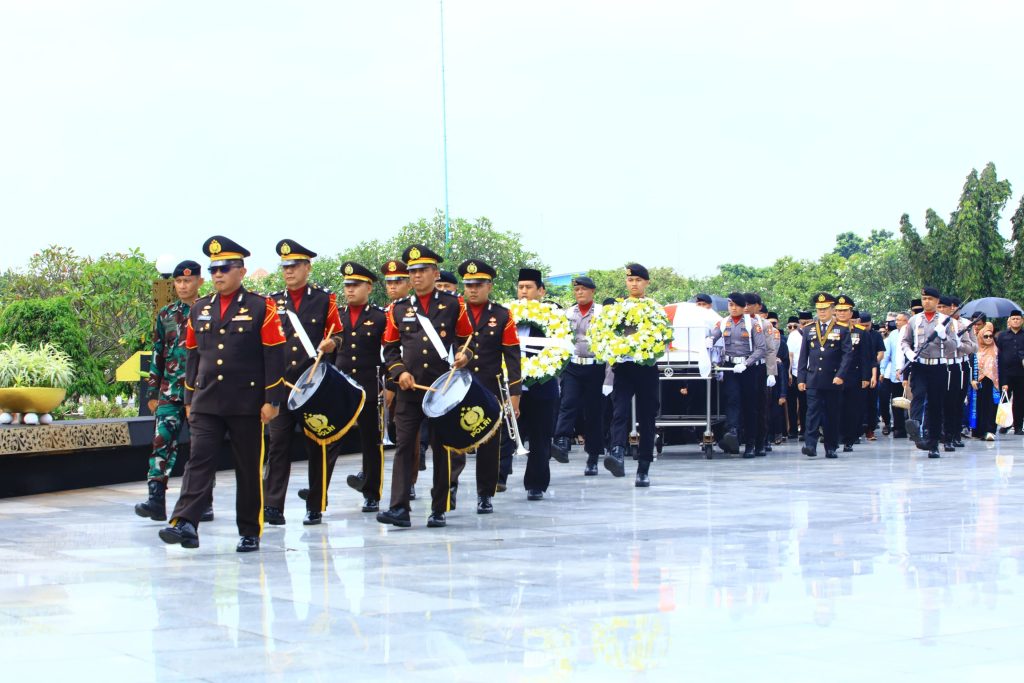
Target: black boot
{"type": "Point", "coordinates": [591, 469]}
{"type": "Point", "coordinates": [560, 449]}
{"type": "Point", "coordinates": [208, 515]}
{"type": "Point", "coordinates": [643, 479]}
{"type": "Point", "coordinates": [155, 506]}
{"type": "Point", "coordinates": [615, 463]}
{"type": "Point", "coordinates": [396, 516]}
{"type": "Point", "coordinates": [483, 505]}
{"type": "Point", "coordinates": [748, 451]}
{"type": "Point", "coordinates": [183, 533]}
{"type": "Point", "coordinates": [273, 515]}
{"type": "Point", "coordinates": [730, 442]}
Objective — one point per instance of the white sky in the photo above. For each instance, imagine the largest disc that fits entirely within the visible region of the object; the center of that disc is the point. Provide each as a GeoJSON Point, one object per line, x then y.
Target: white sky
{"type": "Point", "coordinates": [673, 133]}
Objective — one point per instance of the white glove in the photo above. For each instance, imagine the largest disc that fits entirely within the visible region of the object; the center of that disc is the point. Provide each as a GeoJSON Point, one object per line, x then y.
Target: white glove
{"type": "Point", "coordinates": [709, 342]}
{"type": "Point", "coordinates": [911, 355]}
{"type": "Point", "coordinates": [771, 380]}
{"type": "Point", "coordinates": [940, 331]}
{"type": "Point", "coordinates": [739, 367]}
{"type": "Point", "coordinates": [606, 389]}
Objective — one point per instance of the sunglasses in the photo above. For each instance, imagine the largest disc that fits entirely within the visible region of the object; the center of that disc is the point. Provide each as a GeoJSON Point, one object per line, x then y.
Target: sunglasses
{"type": "Point", "coordinates": [986, 336]}
{"type": "Point", "coordinates": [221, 269]}
{"type": "Point", "coordinates": [791, 326]}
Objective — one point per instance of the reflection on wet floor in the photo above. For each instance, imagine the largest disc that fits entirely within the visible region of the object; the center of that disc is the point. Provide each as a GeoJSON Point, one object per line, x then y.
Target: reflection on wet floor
{"type": "Point", "coordinates": [781, 568]}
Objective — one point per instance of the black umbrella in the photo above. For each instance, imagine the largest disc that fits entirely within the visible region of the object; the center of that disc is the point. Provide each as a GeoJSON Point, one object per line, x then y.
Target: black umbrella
{"type": "Point", "coordinates": [992, 306]}
{"type": "Point", "coordinates": [718, 303]}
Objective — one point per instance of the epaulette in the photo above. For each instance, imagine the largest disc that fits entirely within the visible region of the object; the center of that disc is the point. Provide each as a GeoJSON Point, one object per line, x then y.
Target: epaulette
{"type": "Point", "coordinates": [842, 324]}
{"type": "Point", "coordinates": [445, 291]}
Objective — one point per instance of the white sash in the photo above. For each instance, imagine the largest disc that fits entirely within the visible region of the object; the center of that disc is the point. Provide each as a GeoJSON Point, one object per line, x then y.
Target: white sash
{"type": "Point", "coordinates": [301, 331]}
{"type": "Point", "coordinates": [428, 328]}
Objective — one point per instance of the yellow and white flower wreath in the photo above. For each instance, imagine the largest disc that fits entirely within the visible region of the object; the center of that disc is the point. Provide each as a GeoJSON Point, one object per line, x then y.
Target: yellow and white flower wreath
{"type": "Point", "coordinates": [630, 329]}
{"type": "Point", "coordinates": [550, 319]}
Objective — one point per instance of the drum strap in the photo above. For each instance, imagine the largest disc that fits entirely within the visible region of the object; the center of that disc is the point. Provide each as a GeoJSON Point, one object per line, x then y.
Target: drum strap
{"type": "Point", "coordinates": [301, 331]}
{"type": "Point", "coordinates": [428, 328]}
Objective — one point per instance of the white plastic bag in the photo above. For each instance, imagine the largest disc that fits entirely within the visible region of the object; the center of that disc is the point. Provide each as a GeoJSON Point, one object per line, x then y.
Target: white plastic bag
{"type": "Point", "coordinates": [1004, 413]}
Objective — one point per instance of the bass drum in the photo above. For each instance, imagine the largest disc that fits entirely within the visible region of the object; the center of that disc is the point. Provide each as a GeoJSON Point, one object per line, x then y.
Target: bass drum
{"type": "Point", "coordinates": [463, 416]}
{"type": "Point", "coordinates": [329, 403]}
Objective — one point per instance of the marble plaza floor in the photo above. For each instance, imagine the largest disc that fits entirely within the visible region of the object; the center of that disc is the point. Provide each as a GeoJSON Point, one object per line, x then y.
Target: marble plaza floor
{"type": "Point", "coordinates": [883, 565]}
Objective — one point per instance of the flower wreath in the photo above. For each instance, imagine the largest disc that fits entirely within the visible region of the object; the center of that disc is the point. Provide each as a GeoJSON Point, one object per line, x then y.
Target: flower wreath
{"type": "Point", "coordinates": [630, 329]}
{"type": "Point", "coordinates": [539, 367]}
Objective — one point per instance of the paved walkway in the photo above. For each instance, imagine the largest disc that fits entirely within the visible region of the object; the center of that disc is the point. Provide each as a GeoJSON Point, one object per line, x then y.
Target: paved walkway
{"type": "Point", "coordinates": [882, 565]}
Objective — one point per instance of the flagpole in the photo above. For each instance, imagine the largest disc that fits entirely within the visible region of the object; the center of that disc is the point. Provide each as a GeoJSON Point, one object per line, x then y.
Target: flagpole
{"type": "Point", "coordinates": [444, 130]}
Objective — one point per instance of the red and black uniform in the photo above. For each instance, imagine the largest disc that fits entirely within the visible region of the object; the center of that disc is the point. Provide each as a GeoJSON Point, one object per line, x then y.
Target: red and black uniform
{"type": "Point", "coordinates": [494, 339]}
{"type": "Point", "coordinates": [358, 354]}
{"type": "Point", "coordinates": [407, 348]}
{"type": "Point", "coordinates": [317, 311]}
{"type": "Point", "coordinates": [235, 364]}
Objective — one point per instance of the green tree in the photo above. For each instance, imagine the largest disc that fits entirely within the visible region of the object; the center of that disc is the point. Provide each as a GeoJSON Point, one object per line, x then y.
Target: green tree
{"type": "Point", "coordinates": [980, 250]}
{"type": "Point", "coordinates": [882, 279]}
{"type": "Point", "coordinates": [848, 244]}
{"type": "Point", "coordinates": [1016, 279]}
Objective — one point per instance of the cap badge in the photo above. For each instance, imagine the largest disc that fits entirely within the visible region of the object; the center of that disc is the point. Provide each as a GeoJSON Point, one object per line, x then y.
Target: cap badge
{"type": "Point", "coordinates": [414, 253]}
{"type": "Point", "coordinates": [471, 268]}
{"type": "Point", "coordinates": [392, 266]}
{"type": "Point", "coordinates": [629, 271]}
{"type": "Point", "coordinates": [349, 269]}
{"type": "Point", "coordinates": [821, 297]}
{"type": "Point", "coordinates": [186, 272]}
{"type": "Point", "coordinates": [286, 249]}
{"type": "Point", "coordinates": [215, 247]}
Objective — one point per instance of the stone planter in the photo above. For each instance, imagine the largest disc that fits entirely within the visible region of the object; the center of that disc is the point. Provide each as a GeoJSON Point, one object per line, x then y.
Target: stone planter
{"type": "Point", "coordinates": [31, 399]}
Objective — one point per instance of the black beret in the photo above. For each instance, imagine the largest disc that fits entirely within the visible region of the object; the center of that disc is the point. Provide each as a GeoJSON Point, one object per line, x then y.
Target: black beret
{"type": "Point", "coordinates": [738, 299]}
{"type": "Point", "coordinates": [475, 269]}
{"type": "Point", "coordinates": [804, 315]}
{"type": "Point", "coordinates": [356, 272]}
{"type": "Point", "coordinates": [608, 301]}
{"type": "Point", "coordinates": [772, 315]}
{"type": "Point", "coordinates": [584, 281]}
{"type": "Point", "coordinates": [704, 299]}
{"type": "Point", "coordinates": [222, 250]}
{"type": "Point", "coordinates": [291, 252]}
{"type": "Point", "coordinates": [855, 314]}
{"type": "Point", "coordinates": [448, 277]}
{"type": "Point", "coordinates": [530, 275]}
{"type": "Point", "coordinates": [915, 303]}
{"type": "Point", "coordinates": [956, 301]}
{"type": "Point", "coordinates": [865, 317]}
{"type": "Point", "coordinates": [636, 270]}
{"type": "Point", "coordinates": [752, 298]}
{"type": "Point", "coordinates": [945, 301]}
{"type": "Point", "coordinates": [419, 256]}
{"type": "Point", "coordinates": [930, 291]}
{"type": "Point", "coordinates": [187, 268]}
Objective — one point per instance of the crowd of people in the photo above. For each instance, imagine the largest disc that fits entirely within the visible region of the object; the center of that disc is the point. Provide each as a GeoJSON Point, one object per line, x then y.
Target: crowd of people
{"type": "Point", "coordinates": [233, 364]}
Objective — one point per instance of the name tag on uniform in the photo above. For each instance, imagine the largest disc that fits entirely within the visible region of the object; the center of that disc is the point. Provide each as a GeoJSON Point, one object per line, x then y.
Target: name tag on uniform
{"type": "Point", "coordinates": [241, 318]}
{"type": "Point", "coordinates": [205, 317]}
{"type": "Point", "coordinates": [833, 335]}
{"type": "Point", "coordinates": [368, 322]}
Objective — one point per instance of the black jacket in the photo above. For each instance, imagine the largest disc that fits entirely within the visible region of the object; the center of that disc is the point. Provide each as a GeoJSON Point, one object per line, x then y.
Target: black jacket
{"type": "Point", "coordinates": [318, 312]}
{"type": "Point", "coordinates": [824, 357]}
{"type": "Point", "coordinates": [1010, 347]}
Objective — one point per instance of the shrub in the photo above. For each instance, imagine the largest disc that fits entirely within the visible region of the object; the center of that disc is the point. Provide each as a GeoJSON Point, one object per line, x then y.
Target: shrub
{"type": "Point", "coordinates": [44, 366]}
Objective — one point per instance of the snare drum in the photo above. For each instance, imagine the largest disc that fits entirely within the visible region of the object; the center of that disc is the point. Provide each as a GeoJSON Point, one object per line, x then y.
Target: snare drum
{"type": "Point", "coordinates": [464, 416]}
{"type": "Point", "coordinates": [329, 403]}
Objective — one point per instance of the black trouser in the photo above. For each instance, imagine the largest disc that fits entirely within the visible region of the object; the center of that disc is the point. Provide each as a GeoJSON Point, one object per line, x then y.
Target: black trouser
{"type": "Point", "coordinates": [408, 419]}
{"type": "Point", "coordinates": [1016, 387]}
{"type": "Point", "coordinates": [986, 417]}
{"type": "Point", "coordinates": [953, 405]}
{"type": "Point", "coordinates": [581, 393]}
{"type": "Point", "coordinates": [928, 384]}
{"type": "Point", "coordinates": [208, 433]}
{"type": "Point", "coordinates": [796, 406]}
{"type": "Point", "coordinates": [642, 382]}
{"type": "Point", "coordinates": [282, 430]}
{"type": "Point", "coordinates": [742, 402]}
{"type": "Point", "coordinates": [823, 412]}
{"type": "Point", "coordinates": [487, 463]}
{"type": "Point", "coordinates": [890, 391]}
{"type": "Point", "coordinates": [885, 401]}
{"type": "Point", "coordinates": [537, 425]}
{"type": "Point", "coordinates": [774, 414]}
{"type": "Point", "coordinates": [852, 411]}
{"type": "Point", "coordinates": [871, 408]}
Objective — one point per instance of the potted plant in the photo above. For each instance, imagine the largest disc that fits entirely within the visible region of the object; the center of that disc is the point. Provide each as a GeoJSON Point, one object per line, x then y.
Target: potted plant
{"type": "Point", "coordinates": [32, 381]}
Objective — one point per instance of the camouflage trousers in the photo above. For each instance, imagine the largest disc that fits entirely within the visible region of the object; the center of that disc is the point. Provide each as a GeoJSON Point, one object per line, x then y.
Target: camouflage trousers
{"type": "Point", "coordinates": [169, 418]}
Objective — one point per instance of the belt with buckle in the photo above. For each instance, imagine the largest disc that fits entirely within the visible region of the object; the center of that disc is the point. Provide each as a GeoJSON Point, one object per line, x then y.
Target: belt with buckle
{"type": "Point", "coordinates": [580, 360]}
{"type": "Point", "coordinates": [929, 361]}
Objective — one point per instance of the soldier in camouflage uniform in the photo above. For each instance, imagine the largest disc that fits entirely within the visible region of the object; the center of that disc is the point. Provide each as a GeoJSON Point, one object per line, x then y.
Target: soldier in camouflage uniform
{"type": "Point", "coordinates": [167, 388]}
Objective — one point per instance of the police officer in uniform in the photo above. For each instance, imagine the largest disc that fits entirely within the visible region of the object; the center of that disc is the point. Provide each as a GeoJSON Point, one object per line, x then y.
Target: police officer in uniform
{"type": "Point", "coordinates": [447, 282]}
{"type": "Point", "coordinates": [418, 338]}
{"type": "Point", "coordinates": [825, 357]}
{"type": "Point", "coordinates": [316, 311]}
{"type": "Point", "coordinates": [954, 349]}
{"type": "Point", "coordinates": [494, 340]}
{"type": "Point", "coordinates": [234, 381]}
{"type": "Point", "coordinates": [743, 348]}
{"type": "Point", "coordinates": [921, 343]}
{"type": "Point", "coordinates": [357, 347]}
{"type": "Point", "coordinates": [634, 380]}
{"type": "Point", "coordinates": [582, 382]}
{"type": "Point", "coordinates": [857, 376]}
{"type": "Point", "coordinates": [538, 404]}
{"type": "Point", "coordinates": [167, 388]}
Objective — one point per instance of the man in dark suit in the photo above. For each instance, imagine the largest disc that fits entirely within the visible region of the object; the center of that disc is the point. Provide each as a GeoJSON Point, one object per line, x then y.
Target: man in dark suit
{"type": "Point", "coordinates": [308, 314]}
{"type": "Point", "coordinates": [825, 358]}
{"type": "Point", "coordinates": [419, 336]}
{"type": "Point", "coordinates": [233, 382]}
{"type": "Point", "coordinates": [857, 376]}
{"type": "Point", "coordinates": [356, 346]}
{"type": "Point", "coordinates": [494, 340]}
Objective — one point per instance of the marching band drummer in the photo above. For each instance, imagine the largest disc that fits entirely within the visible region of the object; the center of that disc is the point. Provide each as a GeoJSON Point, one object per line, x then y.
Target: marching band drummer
{"type": "Point", "coordinates": [494, 339]}
{"type": "Point", "coordinates": [418, 338]}
{"type": "Point", "coordinates": [582, 383]}
{"type": "Point", "coordinates": [744, 347]}
{"type": "Point", "coordinates": [233, 383]}
{"type": "Point", "coordinates": [308, 314]}
{"type": "Point", "coordinates": [357, 346]}
{"type": "Point", "coordinates": [634, 380]}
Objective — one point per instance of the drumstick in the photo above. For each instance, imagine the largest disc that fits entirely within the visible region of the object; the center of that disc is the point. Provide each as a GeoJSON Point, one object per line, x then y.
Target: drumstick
{"type": "Point", "coordinates": [321, 354]}
{"type": "Point", "coordinates": [288, 384]}
{"type": "Point", "coordinates": [423, 388]}
{"type": "Point", "coordinates": [451, 373]}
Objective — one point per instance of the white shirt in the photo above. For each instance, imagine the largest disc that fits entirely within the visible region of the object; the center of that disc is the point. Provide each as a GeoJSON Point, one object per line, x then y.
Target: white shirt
{"type": "Point", "coordinates": [793, 342]}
